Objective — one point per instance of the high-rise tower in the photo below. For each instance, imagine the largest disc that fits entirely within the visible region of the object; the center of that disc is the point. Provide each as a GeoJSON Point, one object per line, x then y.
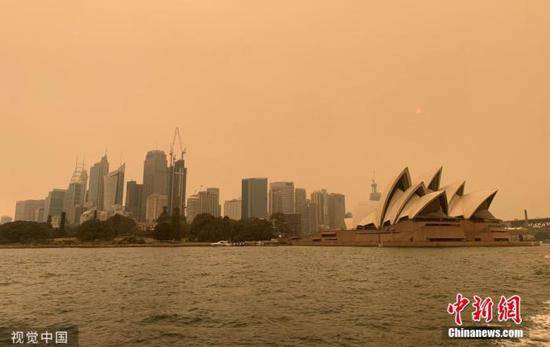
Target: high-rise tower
{"type": "Point", "coordinates": [254, 198]}
{"type": "Point", "coordinates": [155, 177]}
{"type": "Point", "coordinates": [75, 196]}
{"type": "Point", "coordinates": [96, 190]}
{"type": "Point", "coordinates": [320, 199]}
{"type": "Point", "coordinates": [177, 177]}
{"type": "Point", "coordinates": [281, 198]}
{"type": "Point", "coordinates": [134, 193]}
{"type": "Point", "coordinates": [337, 211]}
{"type": "Point", "coordinates": [114, 188]}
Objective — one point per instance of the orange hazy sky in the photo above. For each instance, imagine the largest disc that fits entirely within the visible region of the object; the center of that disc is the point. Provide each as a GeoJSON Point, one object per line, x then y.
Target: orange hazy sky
{"type": "Point", "coordinates": [318, 92]}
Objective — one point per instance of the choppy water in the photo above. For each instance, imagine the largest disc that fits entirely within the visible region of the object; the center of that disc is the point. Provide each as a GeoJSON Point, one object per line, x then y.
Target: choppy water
{"type": "Point", "coordinates": [293, 296]}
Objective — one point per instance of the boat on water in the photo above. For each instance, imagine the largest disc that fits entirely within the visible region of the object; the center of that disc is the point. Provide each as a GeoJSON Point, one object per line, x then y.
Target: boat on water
{"type": "Point", "coordinates": [221, 244]}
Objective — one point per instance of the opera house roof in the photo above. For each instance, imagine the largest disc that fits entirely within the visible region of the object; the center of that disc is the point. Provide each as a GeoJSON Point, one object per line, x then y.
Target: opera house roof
{"type": "Point", "coordinates": [404, 199]}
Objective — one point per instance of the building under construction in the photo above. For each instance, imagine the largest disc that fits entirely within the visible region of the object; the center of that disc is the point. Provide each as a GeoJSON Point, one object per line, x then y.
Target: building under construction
{"type": "Point", "coordinates": [177, 176]}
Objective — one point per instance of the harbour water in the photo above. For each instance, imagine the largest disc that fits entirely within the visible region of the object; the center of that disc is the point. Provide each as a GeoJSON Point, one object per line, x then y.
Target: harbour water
{"type": "Point", "coordinates": [292, 296]}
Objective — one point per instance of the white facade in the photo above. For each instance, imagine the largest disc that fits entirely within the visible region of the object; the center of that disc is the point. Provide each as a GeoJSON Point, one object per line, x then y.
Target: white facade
{"type": "Point", "coordinates": [426, 199]}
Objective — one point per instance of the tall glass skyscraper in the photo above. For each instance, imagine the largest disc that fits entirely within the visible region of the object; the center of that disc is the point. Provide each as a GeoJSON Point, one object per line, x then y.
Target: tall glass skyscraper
{"type": "Point", "coordinates": [75, 196]}
{"type": "Point", "coordinates": [254, 198]}
{"type": "Point", "coordinates": [113, 189]}
{"type": "Point", "coordinates": [134, 193]}
{"type": "Point", "coordinates": [155, 177]}
{"type": "Point", "coordinates": [96, 190]}
{"type": "Point", "coordinates": [177, 180]}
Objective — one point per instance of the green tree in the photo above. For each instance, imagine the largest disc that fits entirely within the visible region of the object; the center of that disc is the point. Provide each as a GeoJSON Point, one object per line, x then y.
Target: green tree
{"type": "Point", "coordinates": [24, 232]}
{"type": "Point", "coordinates": [163, 231]}
{"type": "Point", "coordinates": [122, 225]}
{"type": "Point", "coordinates": [280, 224]}
{"type": "Point", "coordinates": [49, 221]}
{"type": "Point", "coordinates": [92, 230]}
{"type": "Point", "coordinates": [176, 225]}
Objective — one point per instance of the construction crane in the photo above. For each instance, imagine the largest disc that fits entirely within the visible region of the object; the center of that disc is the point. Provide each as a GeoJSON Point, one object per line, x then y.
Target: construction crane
{"type": "Point", "coordinates": [174, 182]}
{"type": "Point", "coordinates": [178, 137]}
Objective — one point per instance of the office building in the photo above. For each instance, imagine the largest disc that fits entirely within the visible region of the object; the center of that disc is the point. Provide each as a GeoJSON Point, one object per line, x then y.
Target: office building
{"type": "Point", "coordinates": [98, 171]}
{"type": "Point", "coordinates": [54, 203]}
{"type": "Point", "coordinates": [337, 211]}
{"type": "Point", "coordinates": [177, 180]}
{"type": "Point", "coordinates": [281, 198]}
{"type": "Point", "coordinates": [114, 189]}
{"type": "Point", "coordinates": [299, 200]}
{"type": "Point", "coordinates": [155, 205]}
{"type": "Point", "coordinates": [210, 202]}
{"type": "Point", "coordinates": [134, 194]}
{"type": "Point", "coordinates": [29, 210]}
{"type": "Point", "coordinates": [206, 201]}
{"type": "Point", "coordinates": [232, 209]}
{"type": "Point", "coordinates": [75, 196]}
{"type": "Point", "coordinates": [254, 198]}
{"type": "Point", "coordinates": [213, 202]}
{"type": "Point", "coordinates": [155, 176]}
{"type": "Point", "coordinates": [320, 199]}
{"type": "Point", "coordinates": [309, 218]}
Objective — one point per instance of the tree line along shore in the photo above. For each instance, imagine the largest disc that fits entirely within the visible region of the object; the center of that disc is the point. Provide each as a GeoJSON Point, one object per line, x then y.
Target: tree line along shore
{"type": "Point", "coordinates": [173, 230]}
{"type": "Point", "coordinates": [120, 230]}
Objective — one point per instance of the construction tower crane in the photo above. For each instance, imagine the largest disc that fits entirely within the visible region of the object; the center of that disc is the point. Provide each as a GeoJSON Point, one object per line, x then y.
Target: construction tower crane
{"type": "Point", "coordinates": [182, 150]}
{"type": "Point", "coordinates": [176, 183]}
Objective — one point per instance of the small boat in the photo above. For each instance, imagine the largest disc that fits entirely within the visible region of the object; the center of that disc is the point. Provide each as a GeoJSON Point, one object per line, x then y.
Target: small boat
{"type": "Point", "coordinates": [221, 243]}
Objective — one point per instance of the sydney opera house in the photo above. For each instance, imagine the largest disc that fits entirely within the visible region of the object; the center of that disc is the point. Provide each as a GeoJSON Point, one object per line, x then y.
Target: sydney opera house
{"type": "Point", "coordinates": [424, 213]}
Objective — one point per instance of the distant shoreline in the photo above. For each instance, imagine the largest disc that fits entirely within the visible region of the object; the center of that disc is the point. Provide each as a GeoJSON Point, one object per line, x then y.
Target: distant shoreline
{"type": "Point", "coordinates": [207, 244]}
{"type": "Point", "coordinates": [105, 245]}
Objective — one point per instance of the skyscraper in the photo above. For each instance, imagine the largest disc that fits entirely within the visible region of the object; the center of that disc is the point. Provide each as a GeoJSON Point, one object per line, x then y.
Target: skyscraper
{"type": "Point", "coordinates": [208, 201]}
{"type": "Point", "coordinates": [113, 189]}
{"type": "Point", "coordinates": [96, 190]}
{"type": "Point", "coordinates": [54, 203]}
{"type": "Point", "coordinates": [337, 211]}
{"type": "Point", "coordinates": [254, 198]}
{"type": "Point", "coordinates": [232, 209]}
{"type": "Point", "coordinates": [213, 204]}
{"type": "Point", "coordinates": [155, 177]}
{"type": "Point", "coordinates": [75, 196]}
{"type": "Point", "coordinates": [299, 200]}
{"type": "Point", "coordinates": [134, 193]}
{"type": "Point", "coordinates": [309, 218]}
{"type": "Point", "coordinates": [320, 199]}
{"type": "Point", "coordinates": [177, 180]}
{"type": "Point", "coordinates": [281, 198]}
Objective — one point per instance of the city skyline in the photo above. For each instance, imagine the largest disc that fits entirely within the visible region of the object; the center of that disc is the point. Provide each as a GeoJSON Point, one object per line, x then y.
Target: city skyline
{"type": "Point", "coordinates": [222, 198]}
{"type": "Point", "coordinates": [320, 95]}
